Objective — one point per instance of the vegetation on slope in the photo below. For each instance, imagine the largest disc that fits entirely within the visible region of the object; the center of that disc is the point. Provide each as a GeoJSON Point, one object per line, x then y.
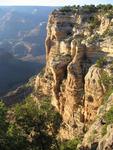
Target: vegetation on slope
{"type": "Point", "coordinates": [101, 62]}
{"type": "Point", "coordinates": [108, 117]}
{"type": "Point", "coordinates": [29, 126]}
{"type": "Point", "coordinates": [32, 126]}
{"type": "Point", "coordinates": [70, 144]}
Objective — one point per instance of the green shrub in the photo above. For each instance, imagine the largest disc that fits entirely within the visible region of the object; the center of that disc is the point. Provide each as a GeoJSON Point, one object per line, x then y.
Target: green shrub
{"type": "Point", "coordinates": [70, 144]}
{"type": "Point", "coordinates": [104, 8]}
{"type": "Point", "coordinates": [104, 130]}
{"type": "Point", "coordinates": [94, 22]}
{"type": "Point", "coordinates": [108, 117]}
{"type": "Point", "coordinates": [108, 93]}
{"type": "Point", "coordinates": [110, 15]}
{"type": "Point", "coordinates": [29, 125]}
{"type": "Point", "coordinates": [106, 80]}
{"type": "Point", "coordinates": [88, 9]}
{"type": "Point", "coordinates": [66, 9]}
{"type": "Point", "coordinates": [101, 62]}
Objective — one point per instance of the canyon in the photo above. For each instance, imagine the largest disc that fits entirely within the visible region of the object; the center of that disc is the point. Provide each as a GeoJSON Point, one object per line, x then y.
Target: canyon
{"type": "Point", "coordinates": [22, 35]}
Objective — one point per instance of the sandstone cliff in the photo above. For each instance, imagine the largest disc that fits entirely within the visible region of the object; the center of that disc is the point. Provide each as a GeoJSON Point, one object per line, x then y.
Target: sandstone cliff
{"type": "Point", "coordinates": [78, 72]}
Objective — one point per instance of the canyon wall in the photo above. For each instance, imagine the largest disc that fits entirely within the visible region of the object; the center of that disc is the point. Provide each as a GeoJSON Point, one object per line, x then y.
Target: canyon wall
{"type": "Point", "coordinates": [72, 76]}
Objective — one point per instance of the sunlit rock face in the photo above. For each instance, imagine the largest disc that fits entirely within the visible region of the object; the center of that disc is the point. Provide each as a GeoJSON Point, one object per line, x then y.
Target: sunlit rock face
{"type": "Point", "coordinates": [100, 135]}
{"type": "Point", "coordinates": [71, 75]}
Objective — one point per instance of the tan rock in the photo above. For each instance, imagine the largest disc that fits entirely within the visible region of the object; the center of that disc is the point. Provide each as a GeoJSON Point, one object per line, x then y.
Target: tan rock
{"type": "Point", "coordinates": [70, 76]}
{"type": "Point", "coordinates": [94, 92]}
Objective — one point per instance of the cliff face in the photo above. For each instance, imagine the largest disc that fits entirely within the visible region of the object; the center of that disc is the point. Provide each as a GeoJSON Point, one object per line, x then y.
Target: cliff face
{"type": "Point", "coordinates": [100, 135]}
{"type": "Point", "coordinates": [73, 75]}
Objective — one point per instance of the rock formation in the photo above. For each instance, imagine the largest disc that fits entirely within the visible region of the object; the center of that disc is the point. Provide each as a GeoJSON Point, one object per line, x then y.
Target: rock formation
{"type": "Point", "coordinates": [73, 75]}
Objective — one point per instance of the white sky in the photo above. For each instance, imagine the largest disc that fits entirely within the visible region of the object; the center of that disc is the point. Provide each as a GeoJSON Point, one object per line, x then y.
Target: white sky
{"type": "Point", "coordinates": [52, 2]}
